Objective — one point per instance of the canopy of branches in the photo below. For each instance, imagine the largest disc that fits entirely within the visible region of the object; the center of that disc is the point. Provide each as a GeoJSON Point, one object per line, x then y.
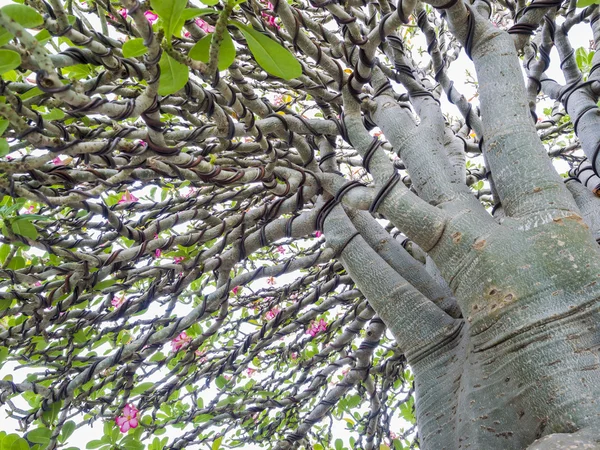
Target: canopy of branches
{"type": "Point", "coordinates": [164, 278]}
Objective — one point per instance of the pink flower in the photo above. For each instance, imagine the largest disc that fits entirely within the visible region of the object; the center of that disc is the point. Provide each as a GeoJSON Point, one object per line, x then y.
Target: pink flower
{"type": "Point", "coordinates": [318, 234]}
{"type": "Point", "coordinates": [269, 17]}
{"type": "Point", "coordinates": [180, 341]}
{"type": "Point", "coordinates": [128, 419]}
{"type": "Point", "coordinates": [271, 281]}
{"type": "Point", "coordinates": [38, 283]}
{"type": "Point", "coordinates": [200, 354]}
{"type": "Point", "coordinates": [128, 198]}
{"type": "Point", "coordinates": [294, 356]}
{"type": "Point", "coordinates": [118, 301]}
{"type": "Point", "coordinates": [250, 371]}
{"type": "Point", "coordinates": [316, 327]}
{"type": "Point", "coordinates": [187, 34]}
{"type": "Point", "coordinates": [270, 315]}
{"type": "Point", "coordinates": [57, 161]}
{"type": "Point", "coordinates": [123, 13]}
{"type": "Point", "coordinates": [151, 17]}
{"type": "Point", "coordinates": [207, 28]}
{"type": "Point", "coordinates": [178, 259]}
{"type": "Point", "coordinates": [281, 250]}
{"type": "Point", "coordinates": [235, 290]}
{"type": "Point", "coordinates": [9, 158]}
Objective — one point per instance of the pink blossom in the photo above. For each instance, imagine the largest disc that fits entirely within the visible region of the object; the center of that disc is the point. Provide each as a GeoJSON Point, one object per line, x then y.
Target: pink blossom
{"type": "Point", "coordinates": [157, 253]}
{"type": "Point", "coordinates": [316, 327]}
{"type": "Point", "coordinates": [118, 301]}
{"type": "Point", "coordinates": [227, 377]}
{"type": "Point", "coordinates": [235, 290]}
{"type": "Point", "coordinates": [281, 250]}
{"type": "Point", "coordinates": [270, 315]}
{"type": "Point", "coordinates": [294, 356]}
{"type": "Point", "coordinates": [178, 259]}
{"type": "Point", "coordinates": [57, 161]}
{"type": "Point", "coordinates": [9, 158]}
{"type": "Point", "coordinates": [318, 234]}
{"type": "Point", "coordinates": [187, 34]}
{"type": "Point", "coordinates": [269, 17]}
{"type": "Point", "coordinates": [207, 28]}
{"type": "Point", "coordinates": [200, 354]}
{"type": "Point", "coordinates": [123, 13]}
{"type": "Point", "coordinates": [151, 17]}
{"type": "Point", "coordinates": [191, 192]}
{"type": "Point", "coordinates": [180, 341]}
{"type": "Point", "coordinates": [31, 209]}
{"type": "Point", "coordinates": [271, 281]}
{"type": "Point", "coordinates": [128, 419]}
{"type": "Point", "coordinates": [128, 198]}
{"type": "Point", "coordinates": [38, 283]}
{"type": "Point", "coordinates": [250, 371]}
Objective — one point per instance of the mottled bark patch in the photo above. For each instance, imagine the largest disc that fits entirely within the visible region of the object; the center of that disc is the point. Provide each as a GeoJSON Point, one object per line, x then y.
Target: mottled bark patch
{"type": "Point", "coordinates": [479, 244]}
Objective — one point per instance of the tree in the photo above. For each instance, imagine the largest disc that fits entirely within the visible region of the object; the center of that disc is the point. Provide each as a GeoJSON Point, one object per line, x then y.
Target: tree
{"type": "Point", "coordinates": [212, 215]}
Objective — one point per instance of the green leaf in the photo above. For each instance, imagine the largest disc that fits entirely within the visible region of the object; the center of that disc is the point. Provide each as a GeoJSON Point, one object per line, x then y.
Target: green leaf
{"type": "Point", "coordinates": [43, 36]}
{"type": "Point", "coordinates": [5, 36]}
{"type": "Point", "coordinates": [5, 304]}
{"type": "Point", "coordinates": [170, 12]}
{"type": "Point", "coordinates": [52, 414]}
{"type": "Point", "coordinates": [24, 228]}
{"type": "Point", "coordinates": [210, 2]}
{"type": "Point", "coordinates": [3, 354]}
{"type": "Point", "coordinates": [192, 13]}
{"type": "Point", "coordinates": [216, 445]}
{"type": "Point", "coordinates": [94, 444]}
{"type": "Point", "coordinates": [201, 51]}
{"type": "Point", "coordinates": [3, 126]}
{"type": "Point", "coordinates": [398, 445]}
{"type": "Point", "coordinates": [31, 93]}
{"type": "Point", "coordinates": [16, 263]}
{"type": "Point", "coordinates": [4, 147]}
{"type": "Point", "coordinates": [173, 75]}
{"type": "Point", "coordinates": [270, 55]}
{"type": "Point", "coordinates": [25, 16]}
{"type": "Point", "coordinates": [13, 442]}
{"type": "Point", "coordinates": [339, 444]}
{"type": "Point", "coordinates": [54, 114]}
{"type": "Point", "coordinates": [104, 284]}
{"type": "Point", "coordinates": [39, 435]}
{"type": "Point", "coordinates": [9, 60]}
{"type": "Point", "coordinates": [67, 431]}
{"type": "Point", "coordinates": [585, 3]}
{"type": "Point", "coordinates": [220, 381]}
{"type": "Point", "coordinates": [141, 388]}
{"type": "Point", "coordinates": [134, 48]}
{"type": "Point", "coordinates": [129, 442]}
{"type": "Point", "coordinates": [79, 71]}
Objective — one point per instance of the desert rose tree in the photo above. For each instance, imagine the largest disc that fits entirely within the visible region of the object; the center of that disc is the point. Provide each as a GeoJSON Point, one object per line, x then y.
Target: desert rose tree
{"type": "Point", "coordinates": [248, 223]}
